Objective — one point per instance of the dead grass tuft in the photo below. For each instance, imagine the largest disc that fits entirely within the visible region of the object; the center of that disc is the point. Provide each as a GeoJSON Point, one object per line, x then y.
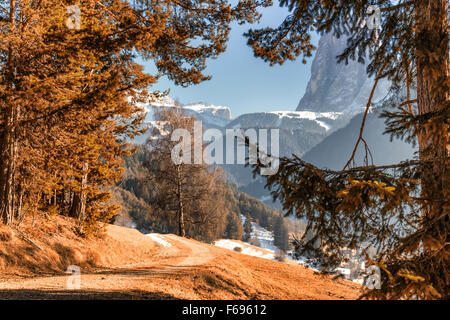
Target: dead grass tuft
{"type": "Point", "coordinates": [5, 234]}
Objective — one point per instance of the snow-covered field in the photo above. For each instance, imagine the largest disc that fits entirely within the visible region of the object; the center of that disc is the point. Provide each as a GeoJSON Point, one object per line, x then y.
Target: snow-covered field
{"type": "Point", "coordinates": [265, 242]}
{"type": "Point", "coordinates": [264, 237]}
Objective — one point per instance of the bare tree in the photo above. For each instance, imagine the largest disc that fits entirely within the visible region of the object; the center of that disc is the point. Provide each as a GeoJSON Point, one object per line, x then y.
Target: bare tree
{"type": "Point", "coordinates": [188, 189]}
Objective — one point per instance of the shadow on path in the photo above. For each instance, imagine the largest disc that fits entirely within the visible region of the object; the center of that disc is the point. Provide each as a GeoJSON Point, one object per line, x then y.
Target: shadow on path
{"type": "Point", "coordinates": [27, 294]}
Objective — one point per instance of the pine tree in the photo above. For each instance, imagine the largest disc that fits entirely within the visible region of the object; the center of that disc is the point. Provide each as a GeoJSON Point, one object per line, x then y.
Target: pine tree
{"type": "Point", "coordinates": [233, 229]}
{"type": "Point", "coordinates": [281, 234]}
{"type": "Point", "coordinates": [401, 209]}
{"type": "Point", "coordinates": [247, 228]}
{"type": "Point", "coordinates": [69, 92]}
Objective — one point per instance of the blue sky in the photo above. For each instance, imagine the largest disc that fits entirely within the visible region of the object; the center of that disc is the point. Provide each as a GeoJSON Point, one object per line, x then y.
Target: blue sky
{"type": "Point", "coordinates": [241, 81]}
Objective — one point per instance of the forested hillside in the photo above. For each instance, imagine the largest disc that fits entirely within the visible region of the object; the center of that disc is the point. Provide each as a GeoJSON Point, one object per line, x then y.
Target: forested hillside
{"type": "Point", "coordinates": [71, 90]}
{"type": "Point", "coordinates": [136, 194]}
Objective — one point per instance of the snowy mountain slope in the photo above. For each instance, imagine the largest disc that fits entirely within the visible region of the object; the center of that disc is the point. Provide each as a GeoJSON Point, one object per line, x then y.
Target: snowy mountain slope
{"type": "Point", "coordinates": [298, 133]}
{"type": "Point", "coordinates": [314, 122]}
{"type": "Point", "coordinates": [299, 130]}
{"type": "Point", "coordinates": [211, 115]}
{"type": "Point", "coordinates": [264, 237]}
{"type": "Point", "coordinates": [220, 117]}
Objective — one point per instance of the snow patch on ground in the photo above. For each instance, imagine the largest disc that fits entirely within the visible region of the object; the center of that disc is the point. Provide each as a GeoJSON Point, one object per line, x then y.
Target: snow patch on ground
{"type": "Point", "coordinates": [230, 245]}
{"type": "Point", "coordinates": [157, 238]}
{"type": "Point", "coordinates": [266, 242]}
{"type": "Point", "coordinates": [264, 237]}
{"type": "Point", "coordinates": [265, 198]}
{"type": "Point", "coordinates": [323, 125]}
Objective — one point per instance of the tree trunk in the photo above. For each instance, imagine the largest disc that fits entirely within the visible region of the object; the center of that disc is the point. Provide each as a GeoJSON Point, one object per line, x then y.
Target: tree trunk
{"type": "Point", "coordinates": [181, 229]}
{"type": "Point", "coordinates": [433, 96]}
{"type": "Point", "coordinates": [7, 165]}
{"type": "Point", "coordinates": [19, 207]}
{"type": "Point", "coordinates": [8, 141]}
{"type": "Point", "coordinates": [78, 209]}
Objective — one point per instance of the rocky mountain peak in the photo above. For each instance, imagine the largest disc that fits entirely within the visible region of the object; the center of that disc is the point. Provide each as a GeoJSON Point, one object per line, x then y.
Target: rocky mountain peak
{"type": "Point", "coordinates": [338, 87]}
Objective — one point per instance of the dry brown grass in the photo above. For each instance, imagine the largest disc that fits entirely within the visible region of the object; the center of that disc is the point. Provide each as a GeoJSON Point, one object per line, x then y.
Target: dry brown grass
{"type": "Point", "coordinates": [128, 265]}
{"type": "Point", "coordinates": [62, 247]}
{"type": "Point", "coordinates": [6, 234]}
{"type": "Point", "coordinates": [232, 275]}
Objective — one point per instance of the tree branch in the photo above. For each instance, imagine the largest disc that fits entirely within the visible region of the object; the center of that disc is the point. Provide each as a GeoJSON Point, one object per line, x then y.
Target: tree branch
{"type": "Point", "coordinates": [369, 103]}
{"type": "Point", "coordinates": [398, 6]}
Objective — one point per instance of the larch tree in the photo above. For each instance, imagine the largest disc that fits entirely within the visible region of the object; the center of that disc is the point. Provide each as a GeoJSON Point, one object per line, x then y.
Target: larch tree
{"type": "Point", "coordinates": [247, 228]}
{"type": "Point", "coordinates": [400, 209]}
{"type": "Point", "coordinates": [234, 228]}
{"type": "Point", "coordinates": [187, 188]}
{"type": "Point", "coordinates": [70, 87]}
{"type": "Point", "coordinates": [281, 234]}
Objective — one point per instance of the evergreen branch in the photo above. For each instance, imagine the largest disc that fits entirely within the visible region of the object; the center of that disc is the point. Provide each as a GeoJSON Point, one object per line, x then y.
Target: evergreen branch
{"type": "Point", "coordinates": [409, 102]}
{"type": "Point", "coordinates": [398, 6]}
{"type": "Point", "coordinates": [294, 21]}
{"type": "Point", "coordinates": [410, 163]}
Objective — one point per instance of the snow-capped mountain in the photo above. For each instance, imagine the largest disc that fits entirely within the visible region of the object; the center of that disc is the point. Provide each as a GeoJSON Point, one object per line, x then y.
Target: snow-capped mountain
{"type": "Point", "coordinates": [215, 115]}
{"type": "Point", "coordinates": [334, 95]}
{"type": "Point", "coordinates": [345, 89]}
{"type": "Point", "coordinates": [297, 117]}
{"type": "Point", "coordinates": [220, 117]}
{"type": "Point", "coordinates": [210, 115]}
{"type": "Point", "coordinates": [317, 122]}
{"type": "Point", "coordinates": [339, 87]}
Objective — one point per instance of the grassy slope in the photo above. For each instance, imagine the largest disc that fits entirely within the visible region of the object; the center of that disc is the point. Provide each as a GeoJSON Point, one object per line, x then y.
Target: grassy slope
{"type": "Point", "coordinates": [128, 265]}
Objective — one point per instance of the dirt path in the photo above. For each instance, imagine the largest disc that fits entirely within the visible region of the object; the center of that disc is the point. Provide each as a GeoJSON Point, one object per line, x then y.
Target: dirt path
{"type": "Point", "coordinates": [133, 280]}
{"type": "Point", "coordinates": [154, 267]}
{"type": "Point", "coordinates": [198, 254]}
